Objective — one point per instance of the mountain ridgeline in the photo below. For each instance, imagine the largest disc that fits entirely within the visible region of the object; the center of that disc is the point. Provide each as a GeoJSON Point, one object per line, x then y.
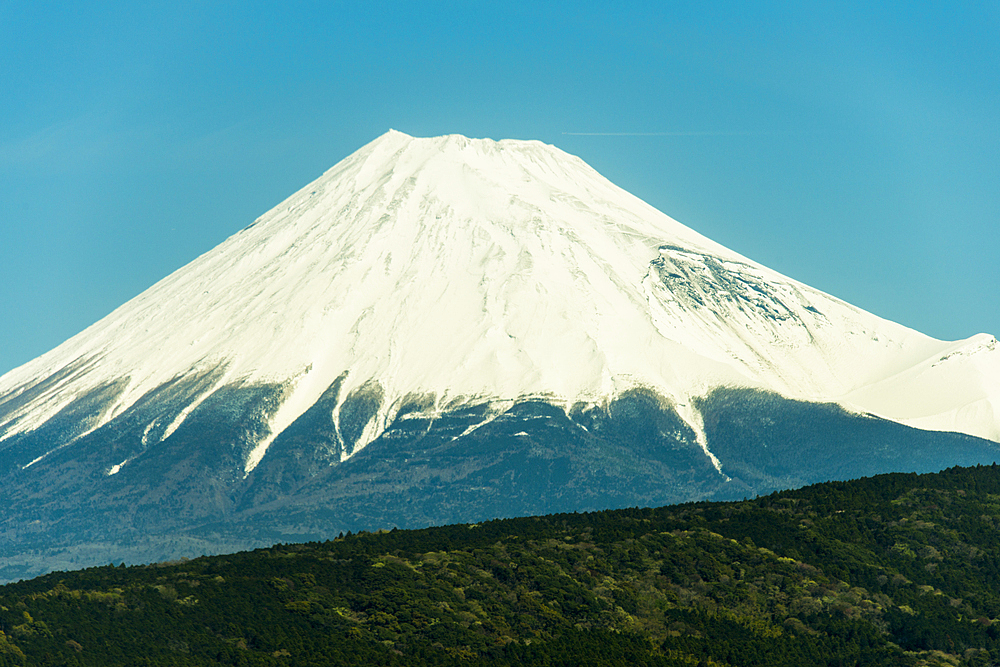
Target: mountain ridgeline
{"type": "Point", "coordinates": [900, 570]}
{"type": "Point", "coordinates": [448, 330]}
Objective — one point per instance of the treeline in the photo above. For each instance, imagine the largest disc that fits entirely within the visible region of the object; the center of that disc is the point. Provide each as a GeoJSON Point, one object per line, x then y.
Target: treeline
{"type": "Point", "coordinates": [892, 570]}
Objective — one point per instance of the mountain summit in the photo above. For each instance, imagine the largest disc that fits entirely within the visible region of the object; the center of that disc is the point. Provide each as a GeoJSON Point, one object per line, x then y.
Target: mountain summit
{"type": "Point", "coordinates": [425, 280]}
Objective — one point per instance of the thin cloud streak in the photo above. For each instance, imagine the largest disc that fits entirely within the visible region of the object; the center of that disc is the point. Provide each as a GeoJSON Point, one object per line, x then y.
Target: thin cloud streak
{"type": "Point", "coordinates": [664, 134]}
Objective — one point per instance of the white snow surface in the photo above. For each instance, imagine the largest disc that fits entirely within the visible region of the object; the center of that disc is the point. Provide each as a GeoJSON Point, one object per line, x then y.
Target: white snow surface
{"type": "Point", "coordinates": [475, 269]}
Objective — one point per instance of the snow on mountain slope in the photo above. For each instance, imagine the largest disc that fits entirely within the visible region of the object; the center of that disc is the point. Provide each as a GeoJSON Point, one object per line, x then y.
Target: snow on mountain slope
{"type": "Point", "coordinates": [482, 270]}
{"type": "Point", "coordinates": [956, 390]}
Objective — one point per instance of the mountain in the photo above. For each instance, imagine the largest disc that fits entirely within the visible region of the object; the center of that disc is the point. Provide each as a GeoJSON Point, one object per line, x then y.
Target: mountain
{"type": "Point", "coordinates": [451, 329]}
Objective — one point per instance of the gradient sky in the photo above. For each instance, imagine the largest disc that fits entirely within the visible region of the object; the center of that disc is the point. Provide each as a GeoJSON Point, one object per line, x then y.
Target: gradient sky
{"type": "Point", "coordinates": [854, 146]}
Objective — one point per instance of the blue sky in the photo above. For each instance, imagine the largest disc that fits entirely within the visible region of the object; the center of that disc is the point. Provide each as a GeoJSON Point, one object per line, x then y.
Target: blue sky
{"type": "Point", "coordinates": [852, 146]}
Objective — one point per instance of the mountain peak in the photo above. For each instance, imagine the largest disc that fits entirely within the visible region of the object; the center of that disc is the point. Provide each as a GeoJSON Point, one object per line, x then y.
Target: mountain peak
{"type": "Point", "coordinates": [497, 329]}
{"type": "Point", "coordinates": [466, 270]}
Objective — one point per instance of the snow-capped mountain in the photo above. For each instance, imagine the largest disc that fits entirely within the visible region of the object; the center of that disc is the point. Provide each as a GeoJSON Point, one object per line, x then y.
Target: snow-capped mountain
{"type": "Point", "coordinates": [421, 277]}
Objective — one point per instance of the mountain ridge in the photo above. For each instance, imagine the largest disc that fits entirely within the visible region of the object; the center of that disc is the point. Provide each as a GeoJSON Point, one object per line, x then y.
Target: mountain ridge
{"type": "Point", "coordinates": [528, 303]}
{"type": "Point", "coordinates": [450, 329]}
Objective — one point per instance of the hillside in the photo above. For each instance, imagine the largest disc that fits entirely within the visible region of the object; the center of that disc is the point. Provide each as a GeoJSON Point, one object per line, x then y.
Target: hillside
{"type": "Point", "coordinates": [899, 569]}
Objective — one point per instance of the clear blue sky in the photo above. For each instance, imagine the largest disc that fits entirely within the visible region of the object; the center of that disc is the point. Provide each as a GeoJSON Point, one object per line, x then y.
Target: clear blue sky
{"type": "Point", "coordinates": [854, 146]}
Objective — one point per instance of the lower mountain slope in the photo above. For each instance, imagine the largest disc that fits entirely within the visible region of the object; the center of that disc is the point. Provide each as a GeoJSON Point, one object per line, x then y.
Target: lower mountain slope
{"type": "Point", "coordinates": [898, 569]}
{"type": "Point", "coordinates": [189, 496]}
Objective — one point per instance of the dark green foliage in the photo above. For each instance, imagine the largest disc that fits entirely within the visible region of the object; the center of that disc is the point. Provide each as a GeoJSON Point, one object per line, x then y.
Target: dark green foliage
{"type": "Point", "coordinates": [359, 408]}
{"type": "Point", "coordinates": [899, 569]}
{"type": "Point", "coordinates": [308, 446]}
{"type": "Point", "coordinates": [771, 442]}
{"type": "Point", "coordinates": [69, 422]}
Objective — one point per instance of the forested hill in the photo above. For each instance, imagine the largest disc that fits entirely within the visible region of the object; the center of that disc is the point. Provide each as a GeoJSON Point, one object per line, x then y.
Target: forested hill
{"type": "Point", "coordinates": [892, 570]}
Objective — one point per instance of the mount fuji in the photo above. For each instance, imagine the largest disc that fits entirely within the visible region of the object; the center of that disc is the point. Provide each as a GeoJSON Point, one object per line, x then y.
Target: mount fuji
{"type": "Point", "coordinates": [453, 329]}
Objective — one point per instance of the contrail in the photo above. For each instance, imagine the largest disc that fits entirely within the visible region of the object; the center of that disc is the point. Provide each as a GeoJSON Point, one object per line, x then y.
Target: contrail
{"type": "Point", "coordinates": [661, 134]}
